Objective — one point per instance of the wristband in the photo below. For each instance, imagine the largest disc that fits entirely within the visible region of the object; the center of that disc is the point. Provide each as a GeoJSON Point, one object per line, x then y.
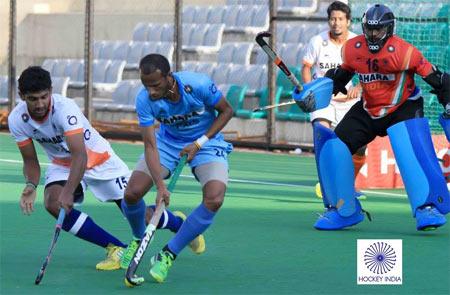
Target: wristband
{"type": "Point", "coordinates": [201, 141]}
{"type": "Point", "coordinates": [29, 183]}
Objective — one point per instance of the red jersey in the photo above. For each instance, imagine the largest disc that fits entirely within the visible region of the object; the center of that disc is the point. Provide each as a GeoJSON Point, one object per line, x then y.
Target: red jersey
{"type": "Point", "coordinates": [386, 77]}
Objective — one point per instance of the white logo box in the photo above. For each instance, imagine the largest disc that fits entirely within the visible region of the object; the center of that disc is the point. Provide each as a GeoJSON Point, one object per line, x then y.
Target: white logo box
{"type": "Point", "coordinates": [379, 262]}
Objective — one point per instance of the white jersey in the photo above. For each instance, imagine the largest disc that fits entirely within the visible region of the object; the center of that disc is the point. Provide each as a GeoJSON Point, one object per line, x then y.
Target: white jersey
{"type": "Point", "coordinates": [323, 54]}
{"type": "Point", "coordinates": [64, 119]}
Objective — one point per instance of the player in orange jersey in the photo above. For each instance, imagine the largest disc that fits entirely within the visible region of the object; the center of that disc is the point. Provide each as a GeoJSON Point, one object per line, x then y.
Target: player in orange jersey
{"type": "Point", "coordinates": [391, 105]}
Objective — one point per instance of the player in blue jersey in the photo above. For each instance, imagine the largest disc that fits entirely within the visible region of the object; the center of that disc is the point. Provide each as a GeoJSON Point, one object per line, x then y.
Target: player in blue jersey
{"type": "Point", "coordinates": [191, 111]}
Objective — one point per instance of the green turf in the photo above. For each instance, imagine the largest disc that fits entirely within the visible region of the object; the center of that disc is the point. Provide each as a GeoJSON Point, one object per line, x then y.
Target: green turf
{"type": "Point", "coordinates": [261, 242]}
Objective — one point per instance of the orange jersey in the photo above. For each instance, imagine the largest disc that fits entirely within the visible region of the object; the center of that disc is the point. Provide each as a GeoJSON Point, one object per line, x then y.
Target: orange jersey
{"type": "Point", "coordinates": [386, 77]}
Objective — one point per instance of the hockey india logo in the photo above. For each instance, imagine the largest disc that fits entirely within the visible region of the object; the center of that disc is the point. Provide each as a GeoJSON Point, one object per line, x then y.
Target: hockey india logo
{"type": "Point", "coordinates": [380, 258]}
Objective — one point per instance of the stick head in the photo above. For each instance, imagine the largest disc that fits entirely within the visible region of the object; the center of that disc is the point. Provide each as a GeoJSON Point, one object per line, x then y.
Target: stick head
{"type": "Point", "coordinates": [259, 38]}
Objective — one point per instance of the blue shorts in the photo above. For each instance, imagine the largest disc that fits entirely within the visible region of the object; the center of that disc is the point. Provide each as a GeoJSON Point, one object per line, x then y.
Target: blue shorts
{"type": "Point", "coordinates": [215, 150]}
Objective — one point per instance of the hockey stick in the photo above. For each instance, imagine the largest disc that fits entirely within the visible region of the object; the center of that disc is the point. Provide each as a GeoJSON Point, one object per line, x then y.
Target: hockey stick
{"type": "Point", "coordinates": [321, 87]}
{"type": "Point", "coordinates": [276, 59]}
{"type": "Point", "coordinates": [131, 279]}
{"type": "Point", "coordinates": [58, 226]}
{"type": "Point", "coordinates": [291, 102]}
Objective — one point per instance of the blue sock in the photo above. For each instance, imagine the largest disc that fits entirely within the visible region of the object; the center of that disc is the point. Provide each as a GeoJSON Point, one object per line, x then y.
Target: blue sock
{"type": "Point", "coordinates": [136, 217]}
{"type": "Point", "coordinates": [168, 220]}
{"type": "Point", "coordinates": [195, 224]}
{"type": "Point", "coordinates": [82, 226]}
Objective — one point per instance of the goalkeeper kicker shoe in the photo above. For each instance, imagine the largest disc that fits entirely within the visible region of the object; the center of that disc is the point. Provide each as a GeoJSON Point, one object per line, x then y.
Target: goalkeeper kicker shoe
{"type": "Point", "coordinates": [160, 265]}
{"type": "Point", "coordinates": [429, 218]}
{"type": "Point", "coordinates": [112, 261]}
{"type": "Point", "coordinates": [129, 253]}
{"type": "Point", "coordinates": [197, 245]}
{"type": "Point", "coordinates": [332, 220]}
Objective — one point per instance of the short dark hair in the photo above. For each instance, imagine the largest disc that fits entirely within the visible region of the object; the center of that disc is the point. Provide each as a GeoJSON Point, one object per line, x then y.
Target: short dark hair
{"type": "Point", "coordinates": [153, 62]}
{"type": "Point", "coordinates": [34, 79]}
{"type": "Point", "coordinates": [338, 5]}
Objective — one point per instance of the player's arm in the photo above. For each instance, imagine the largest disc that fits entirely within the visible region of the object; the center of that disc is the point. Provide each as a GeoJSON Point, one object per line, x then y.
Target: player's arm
{"type": "Point", "coordinates": [340, 77]}
{"type": "Point", "coordinates": [151, 155]}
{"type": "Point", "coordinates": [306, 72]}
{"type": "Point", "coordinates": [32, 173]}
{"type": "Point", "coordinates": [225, 113]}
{"type": "Point", "coordinates": [441, 85]}
{"type": "Point", "coordinates": [78, 155]}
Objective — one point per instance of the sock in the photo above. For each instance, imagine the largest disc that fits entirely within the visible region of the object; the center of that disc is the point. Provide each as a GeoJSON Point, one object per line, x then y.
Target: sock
{"type": "Point", "coordinates": [358, 162]}
{"type": "Point", "coordinates": [168, 220]}
{"type": "Point", "coordinates": [195, 224]}
{"type": "Point", "coordinates": [136, 217]}
{"type": "Point", "coordinates": [82, 226]}
{"type": "Point", "coordinates": [166, 249]}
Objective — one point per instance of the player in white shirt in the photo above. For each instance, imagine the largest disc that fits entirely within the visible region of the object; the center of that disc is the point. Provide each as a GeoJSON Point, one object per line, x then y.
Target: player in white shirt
{"type": "Point", "coordinates": [323, 53]}
{"type": "Point", "coordinates": [80, 157]}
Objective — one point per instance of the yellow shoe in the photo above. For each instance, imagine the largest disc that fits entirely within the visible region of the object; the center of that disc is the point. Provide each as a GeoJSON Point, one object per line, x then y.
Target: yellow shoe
{"type": "Point", "coordinates": [112, 261]}
{"type": "Point", "coordinates": [197, 245]}
{"type": "Point", "coordinates": [318, 191]}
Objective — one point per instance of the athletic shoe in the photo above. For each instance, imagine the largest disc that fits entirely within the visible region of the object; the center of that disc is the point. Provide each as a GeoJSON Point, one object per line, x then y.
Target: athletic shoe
{"type": "Point", "coordinates": [332, 220]}
{"type": "Point", "coordinates": [358, 194]}
{"type": "Point", "coordinates": [129, 253]}
{"type": "Point", "coordinates": [160, 264]}
{"type": "Point", "coordinates": [429, 218]}
{"type": "Point", "coordinates": [112, 261]}
{"type": "Point", "coordinates": [197, 245]}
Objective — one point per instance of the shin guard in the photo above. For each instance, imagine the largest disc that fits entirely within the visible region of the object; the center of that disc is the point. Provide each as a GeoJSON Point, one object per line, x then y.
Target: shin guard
{"type": "Point", "coordinates": [418, 164]}
{"type": "Point", "coordinates": [335, 169]}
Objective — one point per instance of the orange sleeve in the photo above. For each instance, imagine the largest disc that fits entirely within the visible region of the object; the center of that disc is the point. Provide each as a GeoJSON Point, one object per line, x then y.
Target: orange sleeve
{"type": "Point", "coordinates": [418, 63]}
{"type": "Point", "coordinates": [24, 142]}
{"type": "Point", "coordinates": [72, 132]}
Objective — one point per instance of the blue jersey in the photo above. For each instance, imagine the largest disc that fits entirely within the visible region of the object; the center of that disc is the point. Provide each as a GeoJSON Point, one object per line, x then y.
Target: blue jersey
{"type": "Point", "coordinates": [187, 119]}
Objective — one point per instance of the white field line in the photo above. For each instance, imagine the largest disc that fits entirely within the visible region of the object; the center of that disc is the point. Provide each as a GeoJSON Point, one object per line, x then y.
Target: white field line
{"type": "Point", "coordinates": [372, 192]}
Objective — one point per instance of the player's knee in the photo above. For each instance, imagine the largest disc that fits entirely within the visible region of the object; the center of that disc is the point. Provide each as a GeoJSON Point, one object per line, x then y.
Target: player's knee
{"type": "Point", "coordinates": [51, 206]}
{"type": "Point", "coordinates": [132, 196]}
{"type": "Point", "coordinates": [213, 201]}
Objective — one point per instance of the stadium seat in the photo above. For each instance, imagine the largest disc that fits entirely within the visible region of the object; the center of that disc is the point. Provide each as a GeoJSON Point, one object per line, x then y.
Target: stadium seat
{"type": "Point", "coordinates": [220, 73]}
{"type": "Point", "coordinates": [216, 14]}
{"type": "Point", "coordinates": [60, 85]}
{"type": "Point", "coordinates": [134, 54]}
{"type": "Point", "coordinates": [167, 34]}
{"type": "Point", "coordinates": [48, 64]}
{"type": "Point", "coordinates": [262, 101]}
{"type": "Point", "coordinates": [121, 50]}
{"type": "Point", "coordinates": [202, 14]}
{"type": "Point", "coordinates": [238, 53]}
{"type": "Point", "coordinates": [206, 68]}
{"type": "Point", "coordinates": [140, 32]}
{"type": "Point", "coordinates": [296, 6]}
{"type": "Point", "coordinates": [154, 33]}
{"type": "Point", "coordinates": [189, 14]}
{"type": "Point", "coordinates": [235, 96]}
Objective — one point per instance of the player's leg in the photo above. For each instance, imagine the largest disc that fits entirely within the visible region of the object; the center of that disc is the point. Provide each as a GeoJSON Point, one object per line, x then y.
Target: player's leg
{"type": "Point", "coordinates": [134, 208]}
{"type": "Point", "coordinates": [359, 157]}
{"type": "Point", "coordinates": [79, 223]}
{"type": "Point", "coordinates": [109, 190]}
{"type": "Point", "coordinates": [336, 171]}
{"type": "Point", "coordinates": [424, 182]}
{"type": "Point", "coordinates": [211, 170]}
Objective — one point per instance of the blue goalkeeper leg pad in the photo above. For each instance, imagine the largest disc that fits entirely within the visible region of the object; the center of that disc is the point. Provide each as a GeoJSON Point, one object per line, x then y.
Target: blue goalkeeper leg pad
{"type": "Point", "coordinates": [336, 171]}
{"type": "Point", "coordinates": [413, 149]}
